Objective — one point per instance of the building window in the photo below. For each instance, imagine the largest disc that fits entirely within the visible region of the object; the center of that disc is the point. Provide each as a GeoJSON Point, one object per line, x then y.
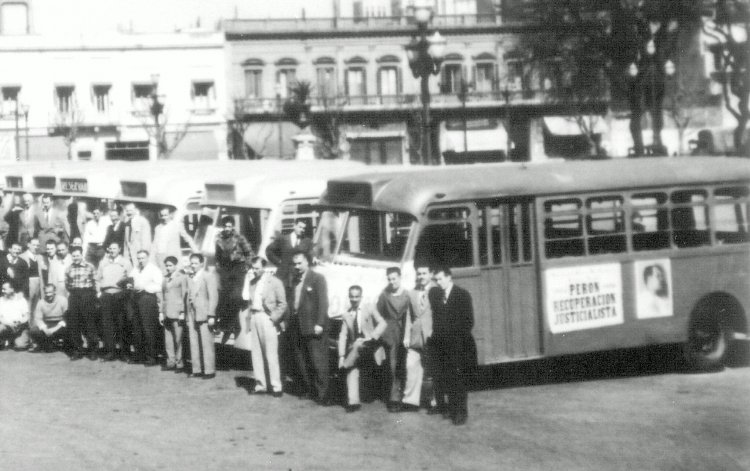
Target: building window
{"type": "Point", "coordinates": [451, 78]}
{"type": "Point", "coordinates": [141, 96]}
{"type": "Point", "coordinates": [484, 77]}
{"type": "Point", "coordinates": [14, 18]}
{"type": "Point", "coordinates": [325, 79]}
{"type": "Point", "coordinates": [10, 99]}
{"type": "Point", "coordinates": [387, 150]}
{"type": "Point", "coordinates": [388, 81]}
{"type": "Point", "coordinates": [356, 85]}
{"type": "Point", "coordinates": [64, 98]}
{"type": "Point", "coordinates": [285, 78]}
{"type": "Point", "coordinates": [253, 83]}
{"type": "Point", "coordinates": [203, 94]}
{"type": "Point", "coordinates": [101, 97]}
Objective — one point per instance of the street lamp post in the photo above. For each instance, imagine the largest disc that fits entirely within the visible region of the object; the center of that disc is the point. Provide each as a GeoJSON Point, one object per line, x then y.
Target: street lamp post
{"type": "Point", "coordinates": [508, 141]}
{"type": "Point", "coordinates": [17, 141]}
{"type": "Point", "coordinates": [280, 112]}
{"type": "Point", "coordinates": [463, 95]}
{"type": "Point", "coordinates": [25, 109]}
{"type": "Point", "coordinates": [156, 109]}
{"type": "Point", "coordinates": [425, 55]}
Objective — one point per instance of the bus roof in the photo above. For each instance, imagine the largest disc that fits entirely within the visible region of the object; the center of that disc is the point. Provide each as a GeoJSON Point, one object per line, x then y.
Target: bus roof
{"type": "Point", "coordinates": [409, 193]}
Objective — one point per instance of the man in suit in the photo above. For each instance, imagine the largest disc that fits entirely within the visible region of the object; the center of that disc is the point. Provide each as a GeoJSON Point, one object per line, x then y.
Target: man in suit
{"type": "Point", "coordinates": [267, 307]}
{"type": "Point", "coordinates": [51, 224]}
{"type": "Point", "coordinates": [417, 330]}
{"type": "Point", "coordinates": [361, 328]}
{"type": "Point", "coordinates": [172, 313]}
{"type": "Point", "coordinates": [394, 305]}
{"type": "Point", "coordinates": [147, 284]}
{"type": "Point", "coordinates": [452, 347]}
{"type": "Point", "coordinates": [168, 235]}
{"type": "Point", "coordinates": [280, 251]}
{"type": "Point", "coordinates": [137, 234]}
{"type": "Point", "coordinates": [27, 220]}
{"type": "Point", "coordinates": [308, 328]}
{"type": "Point", "coordinates": [15, 270]}
{"type": "Point", "coordinates": [201, 300]}
{"type": "Point", "coordinates": [115, 231]}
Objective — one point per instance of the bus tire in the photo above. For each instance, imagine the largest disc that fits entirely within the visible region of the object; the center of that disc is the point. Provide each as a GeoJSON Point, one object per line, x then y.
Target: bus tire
{"type": "Point", "coordinates": [709, 338]}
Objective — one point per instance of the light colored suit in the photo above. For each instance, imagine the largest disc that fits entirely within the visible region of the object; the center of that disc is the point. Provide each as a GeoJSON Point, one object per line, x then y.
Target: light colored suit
{"type": "Point", "coordinates": [201, 300]}
{"type": "Point", "coordinates": [52, 225]}
{"type": "Point", "coordinates": [174, 289]}
{"type": "Point", "coordinates": [417, 329]}
{"type": "Point", "coordinates": [351, 343]}
{"type": "Point", "coordinates": [137, 237]}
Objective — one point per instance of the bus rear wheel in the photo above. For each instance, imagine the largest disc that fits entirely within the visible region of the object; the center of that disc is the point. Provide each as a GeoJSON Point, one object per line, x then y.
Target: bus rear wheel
{"type": "Point", "coordinates": [709, 338]}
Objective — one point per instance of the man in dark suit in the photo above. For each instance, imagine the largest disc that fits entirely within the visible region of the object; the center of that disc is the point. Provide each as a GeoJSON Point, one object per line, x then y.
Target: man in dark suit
{"type": "Point", "coordinates": [51, 223]}
{"type": "Point", "coordinates": [116, 231]}
{"type": "Point", "coordinates": [280, 251]}
{"type": "Point", "coordinates": [308, 328]}
{"type": "Point", "coordinates": [15, 270]}
{"type": "Point", "coordinates": [452, 347]}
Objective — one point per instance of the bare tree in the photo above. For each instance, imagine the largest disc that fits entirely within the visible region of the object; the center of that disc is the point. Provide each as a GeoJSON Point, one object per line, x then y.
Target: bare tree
{"type": "Point", "coordinates": [166, 137]}
{"type": "Point", "coordinates": [730, 27]}
{"type": "Point", "coordinates": [679, 100]}
{"type": "Point", "coordinates": [68, 125]}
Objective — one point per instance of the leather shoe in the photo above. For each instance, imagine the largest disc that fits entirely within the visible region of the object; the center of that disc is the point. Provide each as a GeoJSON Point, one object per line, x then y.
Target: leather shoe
{"type": "Point", "coordinates": [150, 362]}
{"type": "Point", "coordinates": [209, 376]}
{"type": "Point", "coordinates": [258, 392]}
{"type": "Point", "coordinates": [76, 356]}
{"type": "Point", "coordinates": [277, 394]}
{"type": "Point", "coordinates": [435, 411]}
{"type": "Point", "coordinates": [195, 375]}
{"type": "Point", "coordinates": [353, 408]}
{"type": "Point", "coordinates": [93, 356]}
{"type": "Point", "coordinates": [459, 419]}
{"type": "Point", "coordinates": [325, 402]}
{"type": "Point", "coordinates": [167, 368]}
{"type": "Point", "coordinates": [409, 408]}
{"type": "Point", "coordinates": [134, 361]}
{"type": "Point", "coordinates": [394, 407]}
{"type": "Point", "coordinates": [108, 357]}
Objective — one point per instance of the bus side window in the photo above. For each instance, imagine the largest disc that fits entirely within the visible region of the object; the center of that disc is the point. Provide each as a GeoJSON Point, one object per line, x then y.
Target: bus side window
{"type": "Point", "coordinates": [650, 222]}
{"type": "Point", "coordinates": [563, 228]}
{"type": "Point", "coordinates": [731, 215]}
{"type": "Point", "coordinates": [489, 216]}
{"type": "Point", "coordinates": [690, 218]}
{"type": "Point", "coordinates": [446, 245]}
{"type": "Point", "coordinates": [605, 225]}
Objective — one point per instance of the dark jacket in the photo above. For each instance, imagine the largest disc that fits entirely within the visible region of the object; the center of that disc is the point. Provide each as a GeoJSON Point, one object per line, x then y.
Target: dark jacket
{"type": "Point", "coordinates": [115, 235]}
{"type": "Point", "coordinates": [452, 322]}
{"type": "Point", "coordinates": [20, 271]}
{"type": "Point", "coordinates": [280, 252]}
{"type": "Point", "coordinates": [313, 303]}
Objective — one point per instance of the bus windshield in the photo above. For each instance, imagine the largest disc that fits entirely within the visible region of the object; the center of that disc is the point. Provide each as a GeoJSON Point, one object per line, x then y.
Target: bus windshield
{"type": "Point", "coordinates": [365, 234]}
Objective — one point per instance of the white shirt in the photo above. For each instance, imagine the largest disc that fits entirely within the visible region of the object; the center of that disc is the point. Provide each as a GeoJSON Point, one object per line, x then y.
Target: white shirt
{"type": "Point", "coordinates": [14, 310]}
{"type": "Point", "coordinates": [95, 232]}
{"type": "Point", "coordinates": [167, 238]}
{"type": "Point", "coordinates": [148, 279]}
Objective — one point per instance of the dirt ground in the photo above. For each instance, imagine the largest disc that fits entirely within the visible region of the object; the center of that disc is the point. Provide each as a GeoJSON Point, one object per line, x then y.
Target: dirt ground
{"type": "Point", "coordinates": [610, 412]}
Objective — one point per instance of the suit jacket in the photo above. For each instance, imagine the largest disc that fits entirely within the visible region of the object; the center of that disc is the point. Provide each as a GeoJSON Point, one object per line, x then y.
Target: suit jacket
{"type": "Point", "coordinates": [55, 227]}
{"type": "Point", "coordinates": [115, 233]}
{"type": "Point", "coordinates": [313, 303]}
{"type": "Point", "coordinates": [26, 225]}
{"type": "Point", "coordinates": [418, 326]}
{"type": "Point", "coordinates": [373, 326]}
{"type": "Point", "coordinates": [40, 263]}
{"type": "Point", "coordinates": [452, 322]}
{"type": "Point", "coordinates": [173, 295]}
{"type": "Point", "coordinates": [202, 297]}
{"type": "Point", "coordinates": [273, 296]}
{"type": "Point", "coordinates": [137, 237]}
{"type": "Point", "coordinates": [20, 271]}
{"type": "Point", "coordinates": [280, 251]}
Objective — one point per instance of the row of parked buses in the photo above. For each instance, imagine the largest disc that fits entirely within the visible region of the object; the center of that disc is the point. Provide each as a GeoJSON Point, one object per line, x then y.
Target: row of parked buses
{"type": "Point", "coordinates": [560, 258]}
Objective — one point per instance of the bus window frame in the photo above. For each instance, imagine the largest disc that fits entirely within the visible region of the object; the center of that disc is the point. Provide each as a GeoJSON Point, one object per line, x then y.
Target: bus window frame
{"type": "Point", "coordinates": [472, 220]}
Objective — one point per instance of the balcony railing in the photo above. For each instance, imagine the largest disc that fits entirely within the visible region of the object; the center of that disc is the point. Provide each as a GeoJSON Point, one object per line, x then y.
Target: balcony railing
{"type": "Point", "coordinates": [80, 118]}
{"type": "Point", "coordinates": [255, 106]}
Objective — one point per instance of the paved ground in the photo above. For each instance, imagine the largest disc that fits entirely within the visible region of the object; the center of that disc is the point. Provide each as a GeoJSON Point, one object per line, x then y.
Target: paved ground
{"type": "Point", "coordinates": [626, 410]}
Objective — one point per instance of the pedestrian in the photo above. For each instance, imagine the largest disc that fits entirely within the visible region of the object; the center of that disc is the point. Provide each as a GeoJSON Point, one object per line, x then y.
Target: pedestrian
{"type": "Point", "coordinates": [393, 304]}
{"type": "Point", "coordinates": [15, 270]}
{"type": "Point", "coordinates": [417, 331]}
{"type": "Point", "coordinates": [51, 224]}
{"type": "Point", "coordinates": [267, 307]}
{"type": "Point", "coordinates": [14, 318]}
{"type": "Point", "coordinates": [172, 315]}
{"type": "Point", "coordinates": [201, 300]}
{"type": "Point", "coordinates": [112, 275]}
{"type": "Point", "coordinates": [80, 282]}
{"type": "Point", "coordinates": [137, 234]}
{"type": "Point", "coordinates": [233, 254]}
{"type": "Point", "coordinates": [147, 285]}
{"type": "Point", "coordinates": [361, 329]}
{"type": "Point", "coordinates": [49, 320]}
{"type": "Point", "coordinates": [168, 235]}
{"type": "Point", "coordinates": [94, 234]}
{"type": "Point", "coordinates": [308, 327]}
{"type": "Point", "coordinates": [452, 347]}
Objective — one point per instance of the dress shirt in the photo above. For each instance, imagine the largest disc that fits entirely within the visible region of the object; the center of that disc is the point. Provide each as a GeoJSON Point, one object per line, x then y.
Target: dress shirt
{"type": "Point", "coordinates": [95, 232]}
{"type": "Point", "coordinates": [148, 279]}
{"type": "Point", "coordinates": [80, 276]}
{"type": "Point", "coordinates": [113, 271]}
{"type": "Point", "coordinates": [50, 312]}
{"type": "Point", "coordinates": [357, 320]}
{"type": "Point", "coordinates": [167, 238]}
{"type": "Point", "coordinates": [298, 291]}
{"type": "Point", "coordinates": [14, 310]}
{"type": "Point", "coordinates": [446, 294]}
{"type": "Point", "coordinates": [253, 292]}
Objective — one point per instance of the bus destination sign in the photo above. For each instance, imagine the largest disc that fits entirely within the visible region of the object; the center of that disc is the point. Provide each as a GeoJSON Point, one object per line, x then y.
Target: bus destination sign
{"type": "Point", "coordinates": [74, 185]}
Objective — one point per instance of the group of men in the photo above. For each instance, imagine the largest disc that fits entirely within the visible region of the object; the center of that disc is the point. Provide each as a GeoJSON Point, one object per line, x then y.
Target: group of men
{"type": "Point", "coordinates": [135, 306]}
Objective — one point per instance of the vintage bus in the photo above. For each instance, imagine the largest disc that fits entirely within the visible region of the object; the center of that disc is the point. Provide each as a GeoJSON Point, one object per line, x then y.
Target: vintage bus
{"type": "Point", "coordinates": [266, 199]}
{"type": "Point", "coordinates": [561, 258]}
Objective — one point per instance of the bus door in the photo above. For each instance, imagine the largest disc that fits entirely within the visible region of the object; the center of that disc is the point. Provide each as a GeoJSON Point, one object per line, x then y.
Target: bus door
{"type": "Point", "coordinates": [507, 305]}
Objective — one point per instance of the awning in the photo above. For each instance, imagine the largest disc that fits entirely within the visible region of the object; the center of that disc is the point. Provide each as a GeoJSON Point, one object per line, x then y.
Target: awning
{"type": "Point", "coordinates": [568, 126]}
{"type": "Point", "coordinates": [480, 135]}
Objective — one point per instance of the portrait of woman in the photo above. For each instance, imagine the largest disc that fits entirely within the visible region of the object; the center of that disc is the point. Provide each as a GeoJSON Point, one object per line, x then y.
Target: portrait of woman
{"type": "Point", "coordinates": [654, 297]}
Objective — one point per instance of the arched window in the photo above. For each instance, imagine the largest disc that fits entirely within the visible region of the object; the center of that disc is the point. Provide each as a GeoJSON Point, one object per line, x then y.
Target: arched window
{"type": "Point", "coordinates": [325, 77]}
{"type": "Point", "coordinates": [253, 71]}
{"type": "Point", "coordinates": [484, 72]}
{"type": "Point", "coordinates": [286, 75]}
{"type": "Point", "coordinates": [355, 83]}
{"type": "Point", "coordinates": [389, 76]}
{"type": "Point", "coordinates": [452, 73]}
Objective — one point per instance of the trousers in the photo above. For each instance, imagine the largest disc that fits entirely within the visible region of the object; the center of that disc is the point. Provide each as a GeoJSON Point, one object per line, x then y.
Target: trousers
{"type": "Point", "coordinates": [264, 345]}
{"type": "Point", "coordinates": [311, 355]}
{"type": "Point", "coordinates": [82, 319]}
{"type": "Point", "coordinates": [173, 342]}
{"type": "Point", "coordinates": [146, 325]}
{"type": "Point", "coordinates": [202, 353]}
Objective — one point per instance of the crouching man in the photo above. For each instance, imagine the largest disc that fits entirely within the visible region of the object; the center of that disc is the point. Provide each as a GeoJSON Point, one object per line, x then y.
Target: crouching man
{"type": "Point", "coordinates": [14, 318]}
{"type": "Point", "coordinates": [49, 324]}
{"type": "Point", "coordinates": [361, 329]}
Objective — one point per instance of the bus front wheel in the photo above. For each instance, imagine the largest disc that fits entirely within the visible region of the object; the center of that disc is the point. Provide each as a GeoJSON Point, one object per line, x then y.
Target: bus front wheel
{"type": "Point", "coordinates": [708, 342]}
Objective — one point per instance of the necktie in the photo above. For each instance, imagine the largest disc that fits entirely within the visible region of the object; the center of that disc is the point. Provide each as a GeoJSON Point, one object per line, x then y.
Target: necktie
{"type": "Point", "coordinates": [445, 297]}
{"type": "Point", "coordinates": [356, 322]}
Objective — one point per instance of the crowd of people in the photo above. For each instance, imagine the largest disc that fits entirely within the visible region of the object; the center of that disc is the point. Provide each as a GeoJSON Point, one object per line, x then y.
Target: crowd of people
{"type": "Point", "coordinates": [116, 293]}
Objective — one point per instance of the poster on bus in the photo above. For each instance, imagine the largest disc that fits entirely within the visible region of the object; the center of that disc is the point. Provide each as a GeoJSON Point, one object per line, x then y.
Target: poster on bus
{"type": "Point", "coordinates": [583, 297]}
{"type": "Point", "coordinates": [653, 288]}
